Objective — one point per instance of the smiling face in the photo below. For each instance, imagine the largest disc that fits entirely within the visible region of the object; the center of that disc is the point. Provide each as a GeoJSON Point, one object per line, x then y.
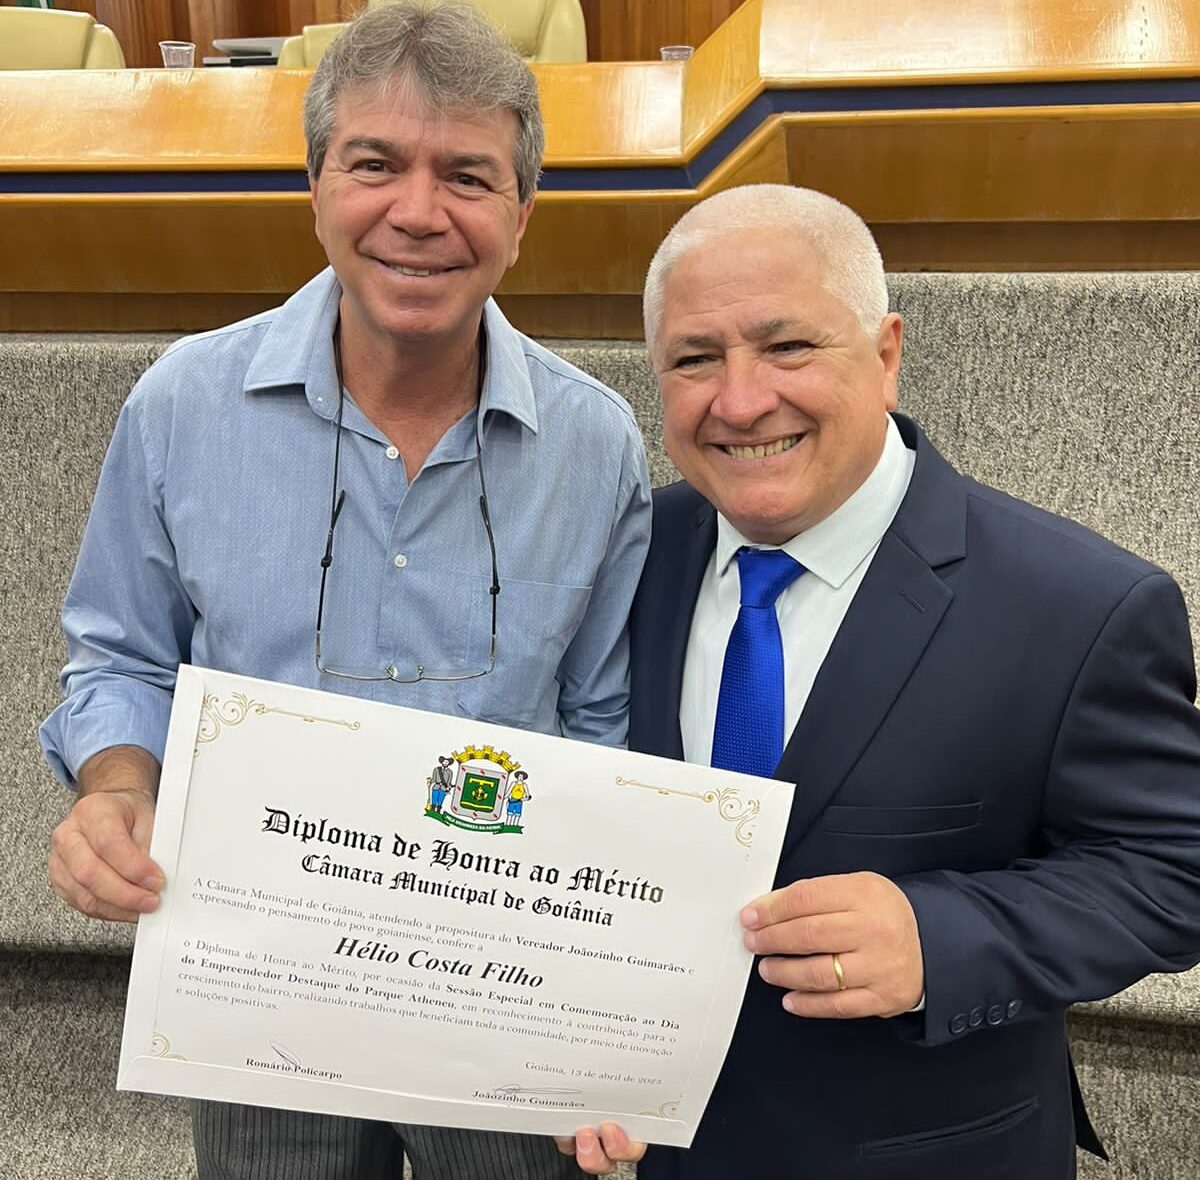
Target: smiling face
{"type": "Point", "coordinates": [419, 215]}
{"type": "Point", "coordinates": [774, 398]}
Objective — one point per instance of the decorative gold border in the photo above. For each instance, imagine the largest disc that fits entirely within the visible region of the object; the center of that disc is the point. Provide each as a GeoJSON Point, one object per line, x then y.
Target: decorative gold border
{"type": "Point", "coordinates": [161, 1047]}
{"type": "Point", "coordinates": [668, 1110]}
{"type": "Point", "coordinates": [216, 716]}
{"type": "Point", "coordinates": [731, 807]}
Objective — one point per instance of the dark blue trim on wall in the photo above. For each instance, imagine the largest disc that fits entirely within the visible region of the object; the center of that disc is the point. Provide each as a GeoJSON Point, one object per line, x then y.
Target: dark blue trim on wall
{"type": "Point", "coordinates": [137, 183]}
{"type": "Point", "coordinates": [626, 178]}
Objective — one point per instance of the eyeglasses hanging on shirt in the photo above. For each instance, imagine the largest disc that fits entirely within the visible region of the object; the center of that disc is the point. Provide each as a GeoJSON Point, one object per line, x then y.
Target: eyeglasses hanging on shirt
{"type": "Point", "coordinates": [337, 502]}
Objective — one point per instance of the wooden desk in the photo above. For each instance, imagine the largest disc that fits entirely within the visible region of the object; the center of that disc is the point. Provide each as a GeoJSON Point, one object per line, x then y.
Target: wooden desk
{"type": "Point", "coordinates": [179, 200]}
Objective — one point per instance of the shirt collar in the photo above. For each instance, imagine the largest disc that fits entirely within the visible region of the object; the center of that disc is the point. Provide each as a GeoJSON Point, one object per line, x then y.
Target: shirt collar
{"type": "Point", "coordinates": [506, 383]}
{"type": "Point", "coordinates": [297, 352]}
{"type": "Point", "coordinates": [834, 548]}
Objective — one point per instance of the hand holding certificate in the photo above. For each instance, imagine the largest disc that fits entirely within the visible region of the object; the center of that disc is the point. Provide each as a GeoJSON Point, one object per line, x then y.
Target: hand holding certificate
{"type": "Point", "coordinates": [405, 916]}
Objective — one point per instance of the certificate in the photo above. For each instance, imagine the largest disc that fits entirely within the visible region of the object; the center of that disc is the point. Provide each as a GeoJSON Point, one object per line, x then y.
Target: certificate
{"type": "Point", "coordinates": [398, 915]}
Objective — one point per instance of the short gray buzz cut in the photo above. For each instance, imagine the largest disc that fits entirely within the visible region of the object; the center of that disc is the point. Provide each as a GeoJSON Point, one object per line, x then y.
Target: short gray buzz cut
{"type": "Point", "coordinates": [852, 264]}
{"type": "Point", "coordinates": [457, 61]}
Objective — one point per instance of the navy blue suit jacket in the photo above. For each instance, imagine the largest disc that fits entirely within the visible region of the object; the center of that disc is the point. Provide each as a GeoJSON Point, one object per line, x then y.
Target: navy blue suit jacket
{"type": "Point", "coordinates": [1004, 727]}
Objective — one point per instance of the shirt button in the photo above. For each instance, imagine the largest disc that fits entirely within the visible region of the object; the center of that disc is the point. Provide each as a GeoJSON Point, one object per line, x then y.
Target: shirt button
{"type": "Point", "coordinates": [399, 561]}
{"type": "Point", "coordinates": [392, 453]}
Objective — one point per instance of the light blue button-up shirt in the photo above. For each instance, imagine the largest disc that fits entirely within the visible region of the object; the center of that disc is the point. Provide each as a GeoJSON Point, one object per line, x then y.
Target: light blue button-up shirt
{"type": "Point", "coordinates": [211, 514]}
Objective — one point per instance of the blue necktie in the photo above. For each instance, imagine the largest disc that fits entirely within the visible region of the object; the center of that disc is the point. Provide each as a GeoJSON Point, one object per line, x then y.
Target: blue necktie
{"type": "Point", "coordinates": [748, 734]}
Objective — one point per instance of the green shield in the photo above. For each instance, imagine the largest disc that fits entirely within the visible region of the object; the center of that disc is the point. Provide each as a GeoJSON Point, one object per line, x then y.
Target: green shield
{"type": "Point", "coordinates": [479, 791]}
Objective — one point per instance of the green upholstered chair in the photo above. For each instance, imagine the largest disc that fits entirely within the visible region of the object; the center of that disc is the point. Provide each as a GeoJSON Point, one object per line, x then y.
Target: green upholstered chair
{"type": "Point", "coordinates": [49, 39]}
{"type": "Point", "coordinates": [543, 30]}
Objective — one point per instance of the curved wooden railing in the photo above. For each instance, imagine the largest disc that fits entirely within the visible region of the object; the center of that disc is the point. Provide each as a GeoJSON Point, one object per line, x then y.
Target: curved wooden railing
{"type": "Point", "coordinates": [1007, 135]}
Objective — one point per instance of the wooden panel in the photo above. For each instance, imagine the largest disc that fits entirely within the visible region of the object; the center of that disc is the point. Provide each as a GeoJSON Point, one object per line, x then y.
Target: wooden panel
{"type": "Point", "coordinates": [159, 244]}
{"type": "Point", "coordinates": [583, 317]}
{"type": "Point", "coordinates": [575, 247]}
{"type": "Point", "coordinates": [974, 246]}
{"type": "Point", "coordinates": [301, 13]}
{"type": "Point", "coordinates": [71, 311]}
{"type": "Point", "coordinates": [633, 30]}
{"type": "Point", "coordinates": [160, 119]}
{"type": "Point", "coordinates": [263, 18]}
{"type": "Point", "coordinates": [1072, 187]}
{"type": "Point", "coordinates": [209, 19]}
{"type": "Point", "coordinates": [722, 77]}
{"type": "Point", "coordinates": [611, 112]}
{"type": "Point", "coordinates": [281, 19]}
{"type": "Point", "coordinates": [72, 5]}
{"type": "Point", "coordinates": [287, 17]}
{"type": "Point", "coordinates": [1033, 246]}
{"type": "Point", "coordinates": [808, 42]}
{"type": "Point", "coordinates": [1049, 164]}
{"type": "Point", "coordinates": [328, 11]}
{"type": "Point", "coordinates": [604, 112]}
{"type": "Point", "coordinates": [157, 119]}
{"type": "Point", "coordinates": [66, 5]}
{"type": "Point", "coordinates": [140, 25]}
{"type": "Point", "coordinates": [814, 42]}
{"type": "Point", "coordinates": [762, 159]}
{"type": "Point", "coordinates": [593, 19]}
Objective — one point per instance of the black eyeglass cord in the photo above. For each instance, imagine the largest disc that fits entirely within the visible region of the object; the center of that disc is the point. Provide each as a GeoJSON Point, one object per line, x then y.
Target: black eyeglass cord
{"type": "Point", "coordinates": [338, 500]}
{"type": "Point", "coordinates": [337, 497]}
{"type": "Point", "coordinates": [487, 524]}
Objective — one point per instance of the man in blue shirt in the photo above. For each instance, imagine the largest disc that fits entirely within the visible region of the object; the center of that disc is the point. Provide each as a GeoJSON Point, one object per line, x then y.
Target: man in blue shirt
{"type": "Point", "coordinates": [331, 493]}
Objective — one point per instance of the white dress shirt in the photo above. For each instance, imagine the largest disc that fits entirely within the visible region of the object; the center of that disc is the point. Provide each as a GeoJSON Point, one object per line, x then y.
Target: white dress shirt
{"type": "Point", "coordinates": [836, 554]}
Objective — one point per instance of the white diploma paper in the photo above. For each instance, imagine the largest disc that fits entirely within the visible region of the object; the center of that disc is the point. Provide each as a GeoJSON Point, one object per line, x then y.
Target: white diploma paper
{"type": "Point", "coordinates": [541, 935]}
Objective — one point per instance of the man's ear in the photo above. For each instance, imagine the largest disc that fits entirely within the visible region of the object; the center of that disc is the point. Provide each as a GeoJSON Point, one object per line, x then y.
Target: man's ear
{"type": "Point", "coordinates": [313, 181]}
{"type": "Point", "coordinates": [889, 344]}
{"type": "Point", "coordinates": [522, 221]}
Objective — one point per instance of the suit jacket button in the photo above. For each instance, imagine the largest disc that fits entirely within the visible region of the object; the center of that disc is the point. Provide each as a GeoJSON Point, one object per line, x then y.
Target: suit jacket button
{"type": "Point", "coordinates": [976, 1017]}
{"type": "Point", "coordinates": [995, 1014]}
{"type": "Point", "coordinates": [1014, 1007]}
{"type": "Point", "coordinates": [958, 1024]}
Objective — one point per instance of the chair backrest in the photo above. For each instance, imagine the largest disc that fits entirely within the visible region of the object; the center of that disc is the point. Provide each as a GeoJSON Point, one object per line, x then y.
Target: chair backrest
{"type": "Point", "coordinates": [542, 30]}
{"type": "Point", "coordinates": [49, 39]}
{"type": "Point", "coordinates": [306, 50]}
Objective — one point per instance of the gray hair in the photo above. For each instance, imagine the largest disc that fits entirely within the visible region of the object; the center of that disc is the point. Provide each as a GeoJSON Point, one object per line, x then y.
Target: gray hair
{"type": "Point", "coordinates": [851, 262]}
{"type": "Point", "coordinates": [457, 60]}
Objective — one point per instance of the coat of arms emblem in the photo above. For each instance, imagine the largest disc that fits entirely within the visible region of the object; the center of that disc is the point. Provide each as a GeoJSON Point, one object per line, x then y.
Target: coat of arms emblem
{"type": "Point", "coordinates": [478, 788]}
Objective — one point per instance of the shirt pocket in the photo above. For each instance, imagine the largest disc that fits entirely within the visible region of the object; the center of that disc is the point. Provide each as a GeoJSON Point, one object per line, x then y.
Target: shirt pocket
{"type": "Point", "coordinates": [535, 623]}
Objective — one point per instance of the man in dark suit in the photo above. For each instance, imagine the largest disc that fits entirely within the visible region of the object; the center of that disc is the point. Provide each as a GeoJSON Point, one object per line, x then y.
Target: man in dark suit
{"type": "Point", "coordinates": [987, 711]}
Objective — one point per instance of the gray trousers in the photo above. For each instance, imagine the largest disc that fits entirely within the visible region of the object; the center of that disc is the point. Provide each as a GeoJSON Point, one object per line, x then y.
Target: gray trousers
{"type": "Point", "coordinates": [259, 1143]}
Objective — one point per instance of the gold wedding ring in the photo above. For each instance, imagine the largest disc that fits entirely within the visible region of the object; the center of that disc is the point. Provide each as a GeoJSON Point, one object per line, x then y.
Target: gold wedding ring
{"type": "Point", "coordinates": [841, 975]}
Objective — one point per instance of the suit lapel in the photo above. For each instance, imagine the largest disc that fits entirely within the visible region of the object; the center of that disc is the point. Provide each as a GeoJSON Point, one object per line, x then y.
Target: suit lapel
{"type": "Point", "coordinates": [889, 624]}
{"type": "Point", "coordinates": [690, 572]}
{"type": "Point", "coordinates": [891, 620]}
{"type": "Point", "coordinates": [680, 567]}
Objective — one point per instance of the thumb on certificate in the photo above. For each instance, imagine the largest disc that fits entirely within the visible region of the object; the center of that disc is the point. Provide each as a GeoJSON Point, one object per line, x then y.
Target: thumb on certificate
{"type": "Point", "coordinates": [98, 862]}
{"type": "Point", "coordinates": [143, 828]}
